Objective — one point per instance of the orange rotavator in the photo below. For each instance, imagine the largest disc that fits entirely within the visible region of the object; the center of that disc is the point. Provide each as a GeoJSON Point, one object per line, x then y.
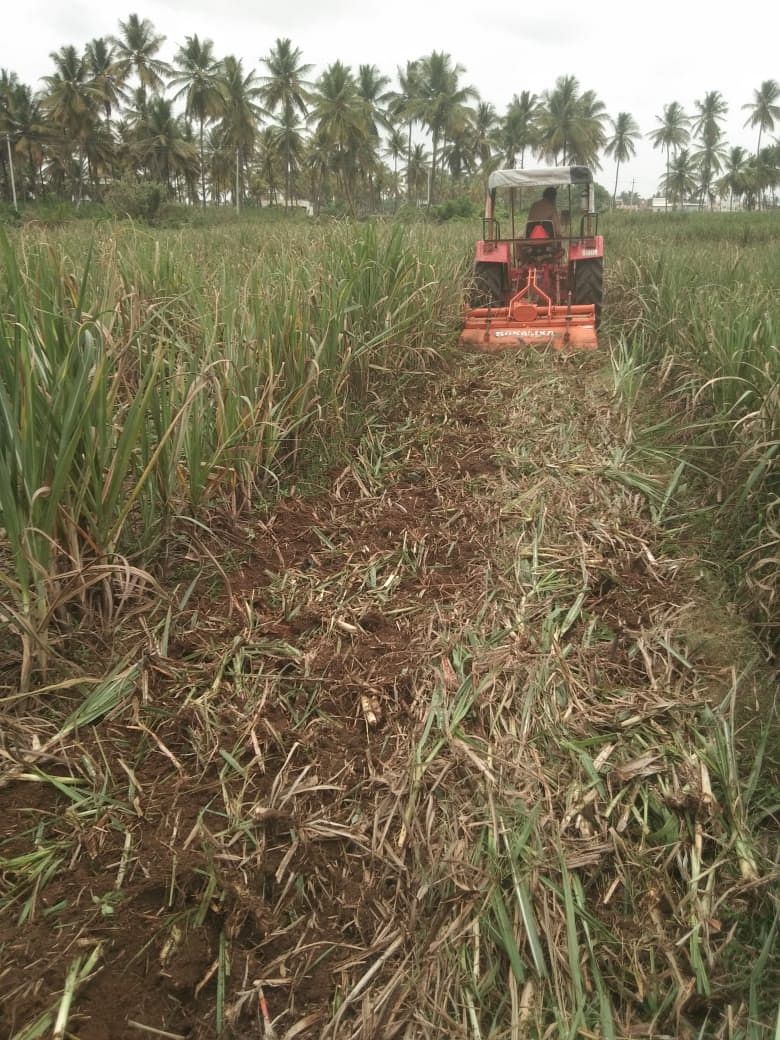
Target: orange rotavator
{"type": "Point", "coordinates": [543, 287]}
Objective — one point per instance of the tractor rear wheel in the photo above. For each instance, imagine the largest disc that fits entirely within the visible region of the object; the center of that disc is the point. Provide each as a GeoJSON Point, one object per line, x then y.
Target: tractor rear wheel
{"type": "Point", "coordinates": [487, 285]}
{"type": "Point", "coordinates": [589, 284]}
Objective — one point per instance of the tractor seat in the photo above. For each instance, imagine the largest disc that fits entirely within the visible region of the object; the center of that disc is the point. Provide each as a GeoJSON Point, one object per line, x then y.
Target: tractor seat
{"type": "Point", "coordinates": [538, 230]}
{"type": "Point", "coordinates": [541, 245]}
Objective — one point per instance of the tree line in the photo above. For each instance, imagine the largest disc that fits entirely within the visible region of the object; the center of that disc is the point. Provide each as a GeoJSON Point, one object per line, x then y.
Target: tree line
{"type": "Point", "coordinates": [208, 130]}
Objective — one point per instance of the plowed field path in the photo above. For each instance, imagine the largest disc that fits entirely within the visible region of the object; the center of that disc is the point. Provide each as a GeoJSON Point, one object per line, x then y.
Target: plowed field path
{"type": "Point", "coordinates": [447, 749]}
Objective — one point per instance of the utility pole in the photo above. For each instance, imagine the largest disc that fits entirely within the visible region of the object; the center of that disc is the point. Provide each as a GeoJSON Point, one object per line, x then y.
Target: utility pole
{"type": "Point", "coordinates": [11, 167]}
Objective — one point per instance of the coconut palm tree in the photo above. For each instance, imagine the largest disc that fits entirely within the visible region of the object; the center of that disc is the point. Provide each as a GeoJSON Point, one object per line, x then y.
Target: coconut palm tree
{"type": "Point", "coordinates": [396, 146]}
{"type": "Point", "coordinates": [371, 86]}
{"type": "Point", "coordinates": [136, 48]}
{"type": "Point", "coordinates": [418, 170]}
{"type": "Point", "coordinates": [388, 184]}
{"type": "Point", "coordinates": [70, 103]}
{"type": "Point", "coordinates": [9, 84]}
{"type": "Point", "coordinates": [680, 181]}
{"type": "Point", "coordinates": [442, 104]}
{"type": "Point", "coordinates": [285, 84]}
{"type": "Point", "coordinates": [557, 118]}
{"type": "Point", "coordinates": [672, 134]}
{"type": "Point", "coordinates": [710, 112]}
{"type": "Point", "coordinates": [519, 129]}
{"type": "Point", "coordinates": [221, 164]}
{"type": "Point", "coordinates": [198, 80]}
{"type": "Point", "coordinates": [317, 165]}
{"type": "Point", "coordinates": [621, 145]}
{"type": "Point", "coordinates": [763, 174]}
{"type": "Point", "coordinates": [403, 104]}
{"type": "Point", "coordinates": [571, 125]}
{"type": "Point", "coordinates": [764, 109]}
{"type": "Point", "coordinates": [241, 113]}
{"type": "Point", "coordinates": [101, 155]}
{"type": "Point", "coordinates": [395, 150]}
{"type": "Point", "coordinates": [290, 147]}
{"type": "Point", "coordinates": [104, 74]}
{"type": "Point", "coordinates": [589, 136]}
{"type": "Point", "coordinates": [459, 153]}
{"type": "Point", "coordinates": [485, 132]}
{"type": "Point", "coordinates": [270, 167]}
{"type": "Point", "coordinates": [343, 120]}
{"type": "Point", "coordinates": [136, 109]}
{"type": "Point", "coordinates": [131, 128]}
{"type": "Point", "coordinates": [29, 137]}
{"type": "Point", "coordinates": [735, 174]}
{"type": "Point", "coordinates": [709, 159]}
{"type": "Point", "coordinates": [285, 90]}
{"type": "Point", "coordinates": [23, 134]}
{"type": "Point", "coordinates": [161, 142]}
{"type": "Point", "coordinates": [187, 171]}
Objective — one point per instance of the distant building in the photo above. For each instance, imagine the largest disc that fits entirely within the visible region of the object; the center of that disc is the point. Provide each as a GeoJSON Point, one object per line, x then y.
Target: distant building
{"type": "Point", "coordinates": [659, 204]}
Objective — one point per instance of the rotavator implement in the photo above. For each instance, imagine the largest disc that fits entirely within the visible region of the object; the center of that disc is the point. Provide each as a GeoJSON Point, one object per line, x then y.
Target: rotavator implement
{"type": "Point", "coordinates": [544, 286]}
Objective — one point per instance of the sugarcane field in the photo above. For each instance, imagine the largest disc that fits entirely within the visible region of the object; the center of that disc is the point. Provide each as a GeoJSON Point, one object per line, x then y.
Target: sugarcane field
{"type": "Point", "coordinates": [394, 688]}
{"type": "Point", "coordinates": [389, 583]}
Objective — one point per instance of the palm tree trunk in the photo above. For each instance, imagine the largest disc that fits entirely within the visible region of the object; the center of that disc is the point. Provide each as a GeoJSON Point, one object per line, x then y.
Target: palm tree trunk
{"type": "Point", "coordinates": [760, 192]}
{"type": "Point", "coordinates": [666, 186]}
{"type": "Point", "coordinates": [347, 194]}
{"type": "Point", "coordinates": [318, 194]}
{"type": "Point", "coordinates": [238, 178]}
{"type": "Point", "coordinates": [11, 180]}
{"type": "Point", "coordinates": [80, 192]}
{"type": "Point", "coordinates": [614, 193]}
{"type": "Point", "coordinates": [409, 164]}
{"type": "Point", "coordinates": [202, 169]}
{"type": "Point", "coordinates": [432, 175]}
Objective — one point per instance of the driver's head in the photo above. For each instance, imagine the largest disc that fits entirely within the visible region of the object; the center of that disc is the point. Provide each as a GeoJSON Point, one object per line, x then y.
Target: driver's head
{"type": "Point", "coordinates": [550, 194]}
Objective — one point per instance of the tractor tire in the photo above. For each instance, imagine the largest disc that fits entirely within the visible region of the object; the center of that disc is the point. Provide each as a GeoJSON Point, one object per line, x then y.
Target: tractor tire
{"type": "Point", "coordinates": [589, 284]}
{"type": "Point", "coordinates": [487, 285]}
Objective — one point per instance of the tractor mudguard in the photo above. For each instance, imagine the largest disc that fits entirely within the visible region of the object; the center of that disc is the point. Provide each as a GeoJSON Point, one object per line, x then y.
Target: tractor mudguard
{"type": "Point", "coordinates": [586, 248]}
{"type": "Point", "coordinates": [493, 253]}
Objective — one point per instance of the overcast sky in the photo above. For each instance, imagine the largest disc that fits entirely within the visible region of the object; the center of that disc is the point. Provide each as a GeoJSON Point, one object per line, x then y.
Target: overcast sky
{"type": "Point", "coordinates": [637, 57]}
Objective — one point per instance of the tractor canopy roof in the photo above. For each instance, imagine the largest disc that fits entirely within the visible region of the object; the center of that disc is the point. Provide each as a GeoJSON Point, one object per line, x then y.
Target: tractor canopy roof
{"type": "Point", "coordinates": [543, 177]}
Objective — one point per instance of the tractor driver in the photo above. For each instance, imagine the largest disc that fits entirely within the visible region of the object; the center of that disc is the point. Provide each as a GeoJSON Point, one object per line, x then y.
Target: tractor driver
{"type": "Point", "coordinates": [545, 209]}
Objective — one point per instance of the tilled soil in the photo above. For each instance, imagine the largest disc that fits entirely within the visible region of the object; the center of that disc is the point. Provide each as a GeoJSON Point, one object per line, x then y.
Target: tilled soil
{"type": "Point", "coordinates": [322, 726]}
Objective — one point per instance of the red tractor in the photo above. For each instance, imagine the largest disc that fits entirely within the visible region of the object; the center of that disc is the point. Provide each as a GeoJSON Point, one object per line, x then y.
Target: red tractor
{"type": "Point", "coordinates": [544, 286]}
